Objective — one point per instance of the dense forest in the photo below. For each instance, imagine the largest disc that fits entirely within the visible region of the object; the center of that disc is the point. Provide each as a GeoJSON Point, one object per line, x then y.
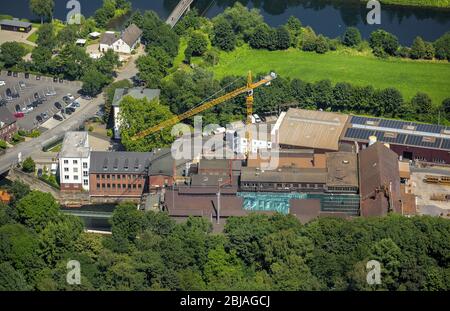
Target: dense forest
{"type": "Point", "coordinates": [149, 251]}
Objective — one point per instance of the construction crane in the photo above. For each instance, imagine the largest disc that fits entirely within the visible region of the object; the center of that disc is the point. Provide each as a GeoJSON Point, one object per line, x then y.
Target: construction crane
{"type": "Point", "coordinates": [248, 89]}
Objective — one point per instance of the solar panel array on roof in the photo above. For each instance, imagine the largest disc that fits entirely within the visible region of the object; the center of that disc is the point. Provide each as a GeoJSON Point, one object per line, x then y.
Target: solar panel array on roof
{"type": "Point", "coordinates": [394, 124]}
{"type": "Point", "coordinates": [403, 132]}
{"type": "Point", "coordinates": [445, 144]}
{"type": "Point", "coordinates": [430, 128]}
{"type": "Point", "coordinates": [421, 142]}
{"type": "Point", "coordinates": [362, 120]}
{"type": "Point", "coordinates": [358, 133]}
{"type": "Point", "coordinates": [397, 138]}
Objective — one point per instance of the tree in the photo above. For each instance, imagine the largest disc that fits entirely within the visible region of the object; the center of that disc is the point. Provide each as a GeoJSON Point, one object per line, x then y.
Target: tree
{"type": "Point", "coordinates": [197, 46]}
{"type": "Point", "coordinates": [149, 71]}
{"type": "Point", "coordinates": [94, 81]}
{"type": "Point", "coordinates": [11, 279]}
{"type": "Point", "coordinates": [28, 165]}
{"type": "Point", "coordinates": [261, 38]}
{"type": "Point", "coordinates": [242, 19]}
{"type": "Point", "coordinates": [3, 144]}
{"type": "Point", "coordinates": [67, 35]}
{"type": "Point", "coordinates": [442, 47]}
{"type": "Point", "coordinates": [429, 51]}
{"type": "Point", "coordinates": [11, 53]}
{"type": "Point", "coordinates": [446, 108]}
{"type": "Point", "coordinates": [138, 115]}
{"type": "Point", "coordinates": [41, 57]}
{"type": "Point", "coordinates": [422, 105]}
{"type": "Point", "coordinates": [283, 38]}
{"type": "Point", "coordinates": [105, 13]}
{"type": "Point", "coordinates": [42, 8]}
{"type": "Point", "coordinates": [37, 209]}
{"type": "Point", "coordinates": [418, 49]}
{"type": "Point", "coordinates": [321, 45]}
{"type": "Point", "coordinates": [352, 37]}
{"type": "Point", "coordinates": [223, 36]}
{"type": "Point", "coordinates": [294, 25]}
{"type": "Point", "coordinates": [108, 63]}
{"type": "Point", "coordinates": [308, 39]}
{"type": "Point", "coordinates": [46, 37]}
{"type": "Point", "coordinates": [126, 222]}
{"type": "Point", "coordinates": [388, 102]}
{"type": "Point", "coordinates": [381, 40]}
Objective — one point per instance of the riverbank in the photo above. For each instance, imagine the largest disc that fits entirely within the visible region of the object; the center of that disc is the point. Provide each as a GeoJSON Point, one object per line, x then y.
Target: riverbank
{"type": "Point", "coordinates": [408, 76]}
{"type": "Point", "coordinates": [418, 3]}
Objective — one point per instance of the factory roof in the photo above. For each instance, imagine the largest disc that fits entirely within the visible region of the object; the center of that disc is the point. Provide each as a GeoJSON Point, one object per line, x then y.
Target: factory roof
{"type": "Point", "coordinates": [397, 132]}
{"type": "Point", "coordinates": [342, 169]}
{"type": "Point", "coordinates": [284, 175]}
{"type": "Point", "coordinates": [311, 129]}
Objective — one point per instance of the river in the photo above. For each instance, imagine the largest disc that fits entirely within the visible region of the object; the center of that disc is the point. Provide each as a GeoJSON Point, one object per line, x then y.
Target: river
{"type": "Point", "coordinates": [329, 17]}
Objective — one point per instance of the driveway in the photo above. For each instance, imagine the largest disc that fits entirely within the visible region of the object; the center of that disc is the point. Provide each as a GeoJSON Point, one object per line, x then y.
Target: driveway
{"type": "Point", "coordinates": [10, 36]}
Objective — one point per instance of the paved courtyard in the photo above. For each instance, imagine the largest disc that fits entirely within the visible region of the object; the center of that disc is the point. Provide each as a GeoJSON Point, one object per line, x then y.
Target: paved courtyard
{"type": "Point", "coordinates": [10, 36]}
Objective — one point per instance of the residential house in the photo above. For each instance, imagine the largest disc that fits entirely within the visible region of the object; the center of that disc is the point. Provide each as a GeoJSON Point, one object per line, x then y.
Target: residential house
{"type": "Point", "coordinates": [125, 43]}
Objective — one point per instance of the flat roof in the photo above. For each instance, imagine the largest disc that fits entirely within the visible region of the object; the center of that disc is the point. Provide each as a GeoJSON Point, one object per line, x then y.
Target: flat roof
{"type": "Point", "coordinates": [284, 175]}
{"type": "Point", "coordinates": [137, 92]}
{"type": "Point", "coordinates": [312, 129]}
{"type": "Point", "coordinates": [16, 23]}
{"type": "Point", "coordinates": [75, 145]}
{"type": "Point", "coordinates": [342, 169]}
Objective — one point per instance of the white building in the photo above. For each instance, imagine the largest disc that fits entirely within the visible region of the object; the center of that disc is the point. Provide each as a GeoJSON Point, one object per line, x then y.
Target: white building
{"type": "Point", "coordinates": [74, 160]}
{"type": "Point", "coordinates": [126, 43]}
{"type": "Point", "coordinates": [137, 93]}
{"type": "Point", "coordinates": [237, 142]}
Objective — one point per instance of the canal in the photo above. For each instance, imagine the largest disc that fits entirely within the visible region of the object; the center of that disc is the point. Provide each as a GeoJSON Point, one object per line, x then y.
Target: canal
{"type": "Point", "coordinates": [329, 17]}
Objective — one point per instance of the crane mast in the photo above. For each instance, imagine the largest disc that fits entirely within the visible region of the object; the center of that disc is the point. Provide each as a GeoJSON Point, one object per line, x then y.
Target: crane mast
{"type": "Point", "coordinates": [248, 89]}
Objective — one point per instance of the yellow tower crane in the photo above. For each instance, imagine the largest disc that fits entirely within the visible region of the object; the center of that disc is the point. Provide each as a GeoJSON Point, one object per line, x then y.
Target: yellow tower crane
{"type": "Point", "coordinates": [248, 89]}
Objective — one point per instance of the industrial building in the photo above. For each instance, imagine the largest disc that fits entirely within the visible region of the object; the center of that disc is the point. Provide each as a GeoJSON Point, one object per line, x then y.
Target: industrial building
{"type": "Point", "coordinates": [409, 140]}
{"type": "Point", "coordinates": [309, 129]}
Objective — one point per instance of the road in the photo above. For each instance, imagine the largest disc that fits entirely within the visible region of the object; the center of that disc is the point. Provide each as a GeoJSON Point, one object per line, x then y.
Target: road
{"type": "Point", "coordinates": [179, 10]}
{"type": "Point", "coordinates": [87, 109]}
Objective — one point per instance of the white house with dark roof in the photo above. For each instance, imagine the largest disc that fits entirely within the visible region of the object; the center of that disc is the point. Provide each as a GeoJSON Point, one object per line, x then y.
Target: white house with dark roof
{"type": "Point", "coordinates": [125, 43]}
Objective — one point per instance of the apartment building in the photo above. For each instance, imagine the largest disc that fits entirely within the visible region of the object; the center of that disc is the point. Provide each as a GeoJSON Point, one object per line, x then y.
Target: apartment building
{"type": "Point", "coordinates": [74, 162]}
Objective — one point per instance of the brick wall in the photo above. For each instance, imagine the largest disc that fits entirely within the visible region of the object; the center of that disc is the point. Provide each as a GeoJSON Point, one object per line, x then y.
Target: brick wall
{"type": "Point", "coordinates": [132, 185]}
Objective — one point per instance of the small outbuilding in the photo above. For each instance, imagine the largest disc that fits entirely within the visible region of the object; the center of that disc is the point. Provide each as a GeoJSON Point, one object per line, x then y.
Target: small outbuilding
{"type": "Point", "coordinates": [16, 25]}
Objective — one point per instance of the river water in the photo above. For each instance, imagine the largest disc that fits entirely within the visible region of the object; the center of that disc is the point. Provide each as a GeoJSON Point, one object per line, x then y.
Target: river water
{"type": "Point", "coordinates": [329, 17]}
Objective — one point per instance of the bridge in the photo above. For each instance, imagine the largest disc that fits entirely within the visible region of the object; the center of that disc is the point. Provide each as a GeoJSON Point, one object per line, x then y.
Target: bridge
{"type": "Point", "coordinates": [177, 13]}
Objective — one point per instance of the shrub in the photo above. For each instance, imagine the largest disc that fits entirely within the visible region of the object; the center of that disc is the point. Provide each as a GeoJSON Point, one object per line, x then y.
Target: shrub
{"type": "Point", "coordinates": [28, 165]}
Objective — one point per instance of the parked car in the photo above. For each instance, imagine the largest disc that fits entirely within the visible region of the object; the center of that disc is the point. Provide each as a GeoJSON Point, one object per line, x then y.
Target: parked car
{"type": "Point", "coordinates": [44, 116]}
{"type": "Point", "coordinates": [57, 117]}
{"type": "Point", "coordinates": [67, 100]}
{"type": "Point", "coordinates": [55, 79]}
{"type": "Point", "coordinates": [50, 93]}
{"type": "Point", "coordinates": [2, 83]}
{"type": "Point", "coordinates": [58, 105]}
{"type": "Point", "coordinates": [86, 97]}
{"type": "Point", "coordinates": [22, 84]}
{"type": "Point", "coordinates": [18, 108]}
{"type": "Point", "coordinates": [36, 95]}
{"type": "Point", "coordinates": [75, 104]}
{"type": "Point", "coordinates": [8, 92]}
{"type": "Point", "coordinates": [61, 80]}
{"type": "Point", "coordinates": [69, 110]}
{"type": "Point", "coordinates": [38, 77]}
{"type": "Point", "coordinates": [40, 172]}
{"type": "Point", "coordinates": [39, 119]}
{"type": "Point", "coordinates": [19, 114]}
{"type": "Point", "coordinates": [15, 74]}
{"type": "Point", "coordinates": [70, 96]}
{"type": "Point", "coordinates": [9, 98]}
{"type": "Point", "coordinates": [27, 75]}
{"type": "Point", "coordinates": [29, 109]}
{"type": "Point", "coordinates": [9, 73]}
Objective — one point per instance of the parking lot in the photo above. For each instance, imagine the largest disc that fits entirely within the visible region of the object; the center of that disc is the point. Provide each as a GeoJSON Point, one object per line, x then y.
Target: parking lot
{"type": "Point", "coordinates": [36, 98]}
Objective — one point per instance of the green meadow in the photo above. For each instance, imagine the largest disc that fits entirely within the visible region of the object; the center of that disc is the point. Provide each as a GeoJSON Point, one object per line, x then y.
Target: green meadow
{"type": "Point", "coordinates": [408, 76]}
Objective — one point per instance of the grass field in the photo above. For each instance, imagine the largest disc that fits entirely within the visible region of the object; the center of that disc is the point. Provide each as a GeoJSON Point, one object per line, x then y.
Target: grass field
{"type": "Point", "coordinates": [424, 3]}
{"type": "Point", "coordinates": [407, 76]}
